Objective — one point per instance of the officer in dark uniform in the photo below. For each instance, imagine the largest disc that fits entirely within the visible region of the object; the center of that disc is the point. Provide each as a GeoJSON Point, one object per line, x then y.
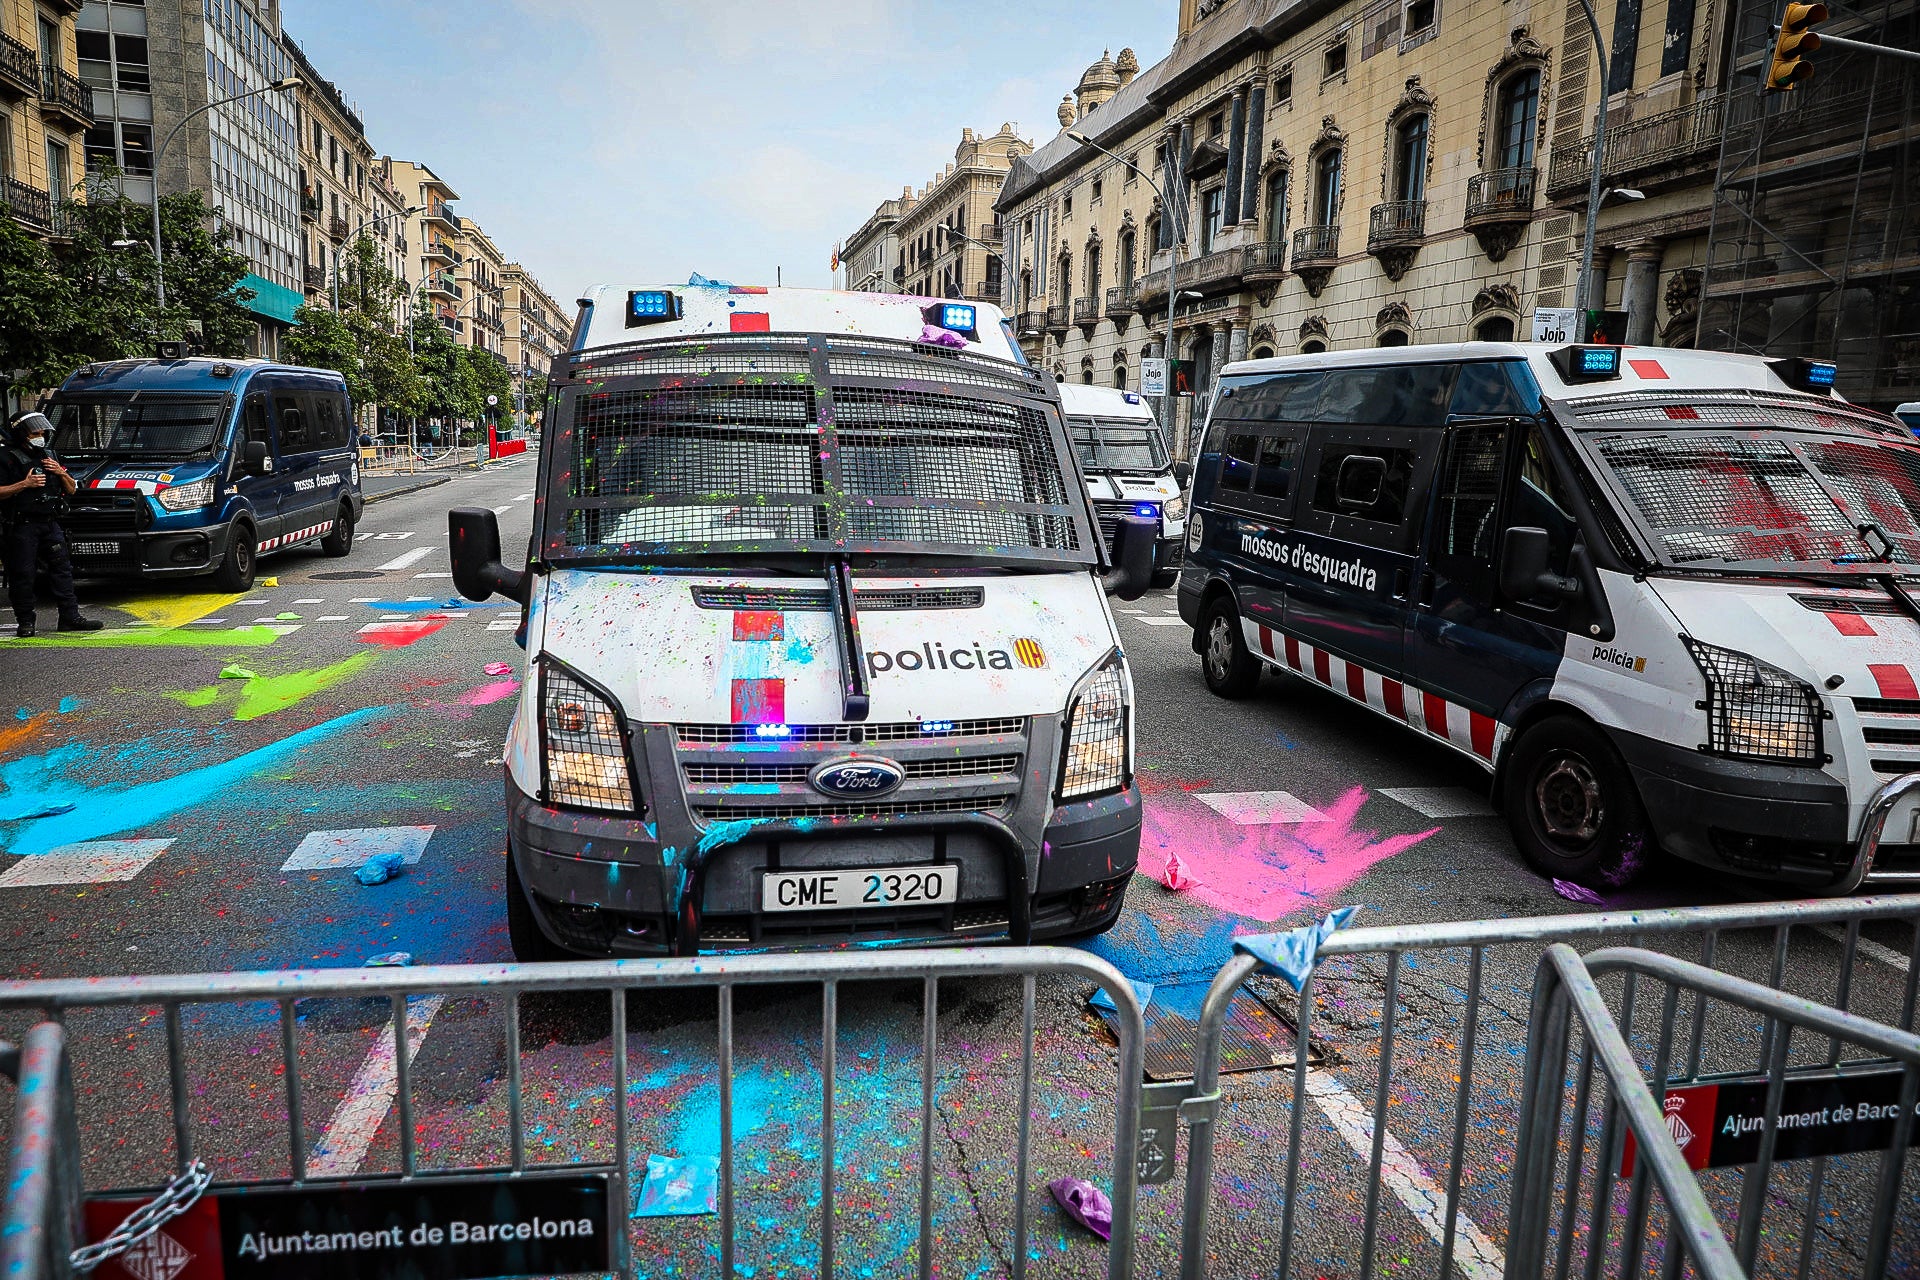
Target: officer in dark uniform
{"type": "Point", "coordinates": [34, 488]}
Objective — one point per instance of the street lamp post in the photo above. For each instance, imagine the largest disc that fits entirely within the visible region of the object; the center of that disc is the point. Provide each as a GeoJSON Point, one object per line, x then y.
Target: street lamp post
{"type": "Point", "coordinates": [159, 252]}
{"type": "Point", "coordinates": [1583, 290]}
{"type": "Point", "coordinates": [1178, 238]}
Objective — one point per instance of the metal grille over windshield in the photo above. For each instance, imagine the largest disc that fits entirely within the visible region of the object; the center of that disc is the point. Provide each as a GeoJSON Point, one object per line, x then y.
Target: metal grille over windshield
{"type": "Point", "coordinates": [729, 448]}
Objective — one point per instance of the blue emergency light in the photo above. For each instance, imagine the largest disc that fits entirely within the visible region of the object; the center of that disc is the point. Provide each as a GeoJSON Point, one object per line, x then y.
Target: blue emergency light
{"type": "Point", "coordinates": [1586, 364]}
{"type": "Point", "coordinates": [1131, 397]}
{"type": "Point", "coordinates": [651, 306]}
{"type": "Point", "coordinates": [936, 726]}
{"type": "Point", "coordinates": [1806, 375]}
{"type": "Point", "coordinates": [959, 317]}
{"type": "Point", "coordinates": [772, 731]}
{"type": "Point", "coordinates": [1150, 510]}
{"type": "Point", "coordinates": [1821, 374]}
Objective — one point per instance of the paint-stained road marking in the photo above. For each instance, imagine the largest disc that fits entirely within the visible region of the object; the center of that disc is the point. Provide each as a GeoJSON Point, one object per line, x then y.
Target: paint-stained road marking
{"type": "Point", "coordinates": [351, 846]}
{"type": "Point", "coordinates": [1260, 808]}
{"type": "Point", "coordinates": [350, 1131]}
{"type": "Point", "coordinates": [91, 862]}
{"type": "Point", "coordinates": [405, 560]}
{"type": "Point", "coordinates": [1441, 802]}
{"type": "Point", "coordinates": [1474, 1255]}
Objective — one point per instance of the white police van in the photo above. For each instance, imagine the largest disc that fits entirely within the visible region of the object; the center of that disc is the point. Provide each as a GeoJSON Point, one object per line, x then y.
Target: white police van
{"type": "Point", "coordinates": [1123, 455]}
{"type": "Point", "coordinates": [819, 649]}
{"type": "Point", "coordinates": [1670, 599]}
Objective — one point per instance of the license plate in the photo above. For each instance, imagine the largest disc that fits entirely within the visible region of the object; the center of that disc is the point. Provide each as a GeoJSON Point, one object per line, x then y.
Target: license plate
{"type": "Point", "coordinates": [96, 548]}
{"type": "Point", "coordinates": [869, 887]}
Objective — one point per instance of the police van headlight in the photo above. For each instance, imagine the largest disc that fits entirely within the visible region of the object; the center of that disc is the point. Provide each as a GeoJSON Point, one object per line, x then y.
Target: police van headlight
{"type": "Point", "coordinates": [1756, 711]}
{"type": "Point", "coordinates": [1097, 758]}
{"type": "Point", "coordinates": [583, 741]}
{"type": "Point", "coordinates": [187, 497]}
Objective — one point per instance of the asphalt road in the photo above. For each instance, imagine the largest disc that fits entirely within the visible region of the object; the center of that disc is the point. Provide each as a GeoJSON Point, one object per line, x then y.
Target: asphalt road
{"type": "Point", "coordinates": [190, 792]}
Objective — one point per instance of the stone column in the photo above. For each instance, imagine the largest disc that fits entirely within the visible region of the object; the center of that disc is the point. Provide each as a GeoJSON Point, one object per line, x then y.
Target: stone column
{"type": "Point", "coordinates": [1236, 150]}
{"type": "Point", "coordinates": [1597, 287]}
{"type": "Point", "coordinates": [1641, 295]}
{"type": "Point", "coordinates": [1250, 166]}
{"type": "Point", "coordinates": [1222, 334]}
{"type": "Point", "coordinates": [1237, 342]}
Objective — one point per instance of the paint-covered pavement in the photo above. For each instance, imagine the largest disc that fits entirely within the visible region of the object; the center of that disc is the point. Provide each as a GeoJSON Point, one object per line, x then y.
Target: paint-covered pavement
{"type": "Point", "coordinates": [193, 789]}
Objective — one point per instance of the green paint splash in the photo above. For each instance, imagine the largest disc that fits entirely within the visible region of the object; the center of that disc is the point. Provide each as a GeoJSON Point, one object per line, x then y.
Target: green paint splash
{"type": "Point", "coordinates": [264, 695]}
{"type": "Point", "coordinates": [148, 638]}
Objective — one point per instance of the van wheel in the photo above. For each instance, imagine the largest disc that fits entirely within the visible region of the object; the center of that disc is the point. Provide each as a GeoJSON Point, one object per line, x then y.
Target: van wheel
{"type": "Point", "coordinates": [236, 571]}
{"type": "Point", "coordinates": [1231, 670]}
{"type": "Point", "coordinates": [339, 539]}
{"type": "Point", "coordinates": [1573, 808]}
{"type": "Point", "coordinates": [530, 946]}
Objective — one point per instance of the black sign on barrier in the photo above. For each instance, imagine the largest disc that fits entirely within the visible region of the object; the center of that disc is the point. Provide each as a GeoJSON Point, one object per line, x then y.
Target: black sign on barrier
{"type": "Point", "coordinates": [453, 1229]}
{"type": "Point", "coordinates": [1829, 1114]}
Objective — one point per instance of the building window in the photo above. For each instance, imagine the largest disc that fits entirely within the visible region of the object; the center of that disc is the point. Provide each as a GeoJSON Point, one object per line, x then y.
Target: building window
{"type": "Point", "coordinates": [1283, 87]}
{"type": "Point", "coordinates": [1311, 346]}
{"type": "Point", "coordinates": [59, 184]}
{"type": "Point", "coordinates": [1095, 197]}
{"type": "Point", "coordinates": [1066, 205]}
{"type": "Point", "coordinates": [1392, 338]}
{"type": "Point", "coordinates": [1093, 271]}
{"type": "Point", "coordinates": [130, 64]}
{"type": "Point", "coordinates": [6, 146]}
{"type": "Point", "coordinates": [1131, 176]}
{"type": "Point", "coordinates": [1086, 371]}
{"type": "Point", "coordinates": [1213, 214]}
{"type": "Point", "coordinates": [136, 145]}
{"type": "Point", "coordinates": [1494, 329]}
{"type": "Point", "coordinates": [1126, 258]}
{"type": "Point", "coordinates": [1066, 278]}
{"type": "Point", "coordinates": [1326, 187]}
{"type": "Point", "coordinates": [1419, 19]}
{"type": "Point", "coordinates": [1216, 124]}
{"type": "Point", "coordinates": [1277, 207]}
{"type": "Point", "coordinates": [1120, 373]}
{"type": "Point", "coordinates": [96, 58]}
{"type": "Point", "coordinates": [1410, 158]}
{"type": "Point", "coordinates": [1517, 119]}
{"type": "Point", "coordinates": [1335, 61]}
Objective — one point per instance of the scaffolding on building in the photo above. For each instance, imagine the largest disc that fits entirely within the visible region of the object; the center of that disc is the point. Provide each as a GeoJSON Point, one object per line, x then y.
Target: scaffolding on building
{"type": "Point", "coordinates": [1814, 243]}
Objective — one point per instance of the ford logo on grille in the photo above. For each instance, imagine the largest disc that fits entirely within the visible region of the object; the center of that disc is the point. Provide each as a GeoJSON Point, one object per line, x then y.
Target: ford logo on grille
{"type": "Point", "coordinates": [855, 778]}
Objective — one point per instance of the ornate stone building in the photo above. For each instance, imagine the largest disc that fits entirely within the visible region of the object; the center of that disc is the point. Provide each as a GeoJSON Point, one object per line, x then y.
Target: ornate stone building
{"type": "Point", "coordinates": [1365, 173]}
{"type": "Point", "coordinates": [869, 256]}
{"type": "Point", "coordinates": [947, 237]}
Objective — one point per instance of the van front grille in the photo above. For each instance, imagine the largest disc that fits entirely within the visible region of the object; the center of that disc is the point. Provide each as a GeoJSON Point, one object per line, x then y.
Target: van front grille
{"type": "Point", "coordinates": [855, 734]}
{"type": "Point", "coordinates": [763, 774]}
{"type": "Point", "coordinates": [885, 807]}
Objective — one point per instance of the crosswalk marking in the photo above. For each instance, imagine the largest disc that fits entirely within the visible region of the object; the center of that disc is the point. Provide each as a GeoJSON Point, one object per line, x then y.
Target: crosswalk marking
{"type": "Point", "coordinates": [1162, 622]}
{"type": "Point", "coordinates": [504, 624]}
{"type": "Point", "coordinates": [332, 617]}
{"type": "Point", "coordinates": [1260, 808]}
{"type": "Point", "coordinates": [1441, 802]}
{"type": "Point", "coordinates": [433, 575]}
{"type": "Point", "coordinates": [91, 862]}
{"type": "Point", "coordinates": [405, 560]}
{"type": "Point", "coordinates": [351, 846]}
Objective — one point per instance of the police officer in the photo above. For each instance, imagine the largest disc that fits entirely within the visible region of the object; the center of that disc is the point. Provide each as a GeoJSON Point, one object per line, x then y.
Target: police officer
{"type": "Point", "coordinates": [34, 488]}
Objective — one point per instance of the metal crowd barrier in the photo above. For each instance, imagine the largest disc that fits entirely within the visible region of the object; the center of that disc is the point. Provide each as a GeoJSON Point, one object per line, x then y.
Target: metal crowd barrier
{"type": "Point", "coordinates": [39, 1221]}
{"type": "Point", "coordinates": [43, 1167]}
{"type": "Point", "coordinates": [1381, 958]}
{"type": "Point", "coordinates": [1566, 990]}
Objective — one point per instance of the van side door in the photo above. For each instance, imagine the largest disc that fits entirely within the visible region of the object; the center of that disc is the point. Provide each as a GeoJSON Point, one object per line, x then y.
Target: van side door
{"type": "Point", "coordinates": [263, 492]}
{"type": "Point", "coordinates": [297, 419]}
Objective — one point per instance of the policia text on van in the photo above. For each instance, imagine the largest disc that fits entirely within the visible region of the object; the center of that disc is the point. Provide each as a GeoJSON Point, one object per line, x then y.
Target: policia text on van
{"type": "Point", "coordinates": [1666, 597]}
{"type": "Point", "coordinates": [817, 638]}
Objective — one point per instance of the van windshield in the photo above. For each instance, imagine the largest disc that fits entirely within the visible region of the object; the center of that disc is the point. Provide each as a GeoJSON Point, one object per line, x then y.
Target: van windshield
{"type": "Point", "coordinates": [1118, 444]}
{"type": "Point", "coordinates": [143, 426]}
{"type": "Point", "coordinates": [1756, 500]}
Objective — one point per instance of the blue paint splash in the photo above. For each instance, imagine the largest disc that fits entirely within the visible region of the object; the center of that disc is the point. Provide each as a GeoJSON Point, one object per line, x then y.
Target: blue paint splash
{"type": "Point", "coordinates": [44, 782]}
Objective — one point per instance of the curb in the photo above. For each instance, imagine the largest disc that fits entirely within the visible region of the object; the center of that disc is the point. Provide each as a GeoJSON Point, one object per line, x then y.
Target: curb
{"type": "Point", "coordinates": [405, 489]}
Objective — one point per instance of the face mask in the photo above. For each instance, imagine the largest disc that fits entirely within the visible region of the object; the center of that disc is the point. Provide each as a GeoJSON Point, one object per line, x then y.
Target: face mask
{"type": "Point", "coordinates": [37, 442]}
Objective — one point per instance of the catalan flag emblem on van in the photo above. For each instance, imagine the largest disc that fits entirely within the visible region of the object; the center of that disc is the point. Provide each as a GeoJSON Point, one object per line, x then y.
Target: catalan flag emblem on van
{"type": "Point", "coordinates": [1029, 653]}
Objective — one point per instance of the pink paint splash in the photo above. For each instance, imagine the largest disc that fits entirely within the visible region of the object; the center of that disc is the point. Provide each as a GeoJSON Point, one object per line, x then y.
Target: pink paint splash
{"type": "Point", "coordinates": [1263, 873]}
{"type": "Point", "coordinates": [395, 635]}
{"type": "Point", "coordinates": [488, 694]}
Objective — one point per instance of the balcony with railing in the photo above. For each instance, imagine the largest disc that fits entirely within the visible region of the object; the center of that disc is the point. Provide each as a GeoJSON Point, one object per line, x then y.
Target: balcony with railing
{"type": "Point", "coordinates": [1150, 287]}
{"type": "Point", "coordinates": [1315, 245]}
{"type": "Point", "coordinates": [1057, 317]}
{"type": "Point", "coordinates": [314, 278]}
{"type": "Point", "coordinates": [1679, 140]}
{"type": "Point", "coordinates": [1220, 269]}
{"type": "Point", "coordinates": [1394, 232]}
{"type": "Point", "coordinates": [64, 96]}
{"type": "Point", "coordinates": [19, 69]}
{"type": "Point", "coordinates": [1265, 263]}
{"type": "Point", "coordinates": [310, 206]}
{"type": "Point", "coordinates": [432, 249]}
{"type": "Point", "coordinates": [439, 212]}
{"type": "Point", "coordinates": [1086, 312]}
{"type": "Point", "coordinates": [440, 285]}
{"type": "Point", "coordinates": [1120, 303]}
{"type": "Point", "coordinates": [1030, 321]}
{"type": "Point", "coordinates": [30, 206]}
{"type": "Point", "coordinates": [337, 227]}
{"type": "Point", "coordinates": [1499, 207]}
{"type": "Point", "coordinates": [989, 233]}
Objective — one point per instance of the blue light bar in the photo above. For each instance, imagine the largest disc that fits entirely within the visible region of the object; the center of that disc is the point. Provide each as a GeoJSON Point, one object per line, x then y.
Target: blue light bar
{"type": "Point", "coordinates": [1817, 376]}
{"type": "Point", "coordinates": [772, 731]}
{"type": "Point", "coordinates": [1821, 373]}
{"type": "Point", "coordinates": [1586, 364]}
{"type": "Point", "coordinates": [958, 317]}
{"type": "Point", "coordinates": [651, 306]}
{"type": "Point", "coordinates": [936, 726]}
{"type": "Point", "coordinates": [1131, 397]}
{"type": "Point", "coordinates": [1604, 360]}
{"type": "Point", "coordinates": [1151, 510]}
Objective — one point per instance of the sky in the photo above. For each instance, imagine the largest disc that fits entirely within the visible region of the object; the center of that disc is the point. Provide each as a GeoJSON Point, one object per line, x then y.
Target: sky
{"type": "Point", "coordinates": [636, 141]}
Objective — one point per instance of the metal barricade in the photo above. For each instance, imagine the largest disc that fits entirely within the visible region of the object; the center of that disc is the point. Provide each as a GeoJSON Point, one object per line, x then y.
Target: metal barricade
{"type": "Point", "coordinates": [1463, 1077]}
{"type": "Point", "coordinates": [286, 993]}
{"type": "Point", "coordinates": [38, 1220]}
{"type": "Point", "coordinates": [1669, 1150]}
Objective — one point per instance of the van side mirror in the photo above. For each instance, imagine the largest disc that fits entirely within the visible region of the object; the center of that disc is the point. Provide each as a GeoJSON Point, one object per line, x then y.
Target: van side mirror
{"type": "Point", "coordinates": [1182, 473]}
{"type": "Point", "coordinates": [1132, 571]}
{"type": "Point", "coordinates": [254, 460]}
{"type": "Point", "coordinates": [473, 543]}
{"type": "Point", "coordinates": [1524, 574]}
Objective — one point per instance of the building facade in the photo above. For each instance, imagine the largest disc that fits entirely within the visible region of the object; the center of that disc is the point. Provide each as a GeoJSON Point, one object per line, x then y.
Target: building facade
{"type": "Point", "coordinates": [947, 238]}
{"type": "Point", "coordinates": [481, 285]}
{"type": "Point", "coordinates": [432, 236]}
{"type": "Point", "coordinates": [45, 111]}
{"type": "Point", "coordinates": [337, 177]}
{"type": "Point", "coordinates": [870, 255]}
{"type": "Point", "coordinates": [244, 155]}
{"type": "Point", "coordinates": [1366, 173]}
{"type": "Point", "coordinates": [537, 329]}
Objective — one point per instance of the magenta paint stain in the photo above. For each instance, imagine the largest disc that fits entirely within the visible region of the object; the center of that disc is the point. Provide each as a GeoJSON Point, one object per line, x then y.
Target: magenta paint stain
{"type": "Point", "coordinates": [488, 694]}
{"type": "Point", "coordinates": [1263, 873]}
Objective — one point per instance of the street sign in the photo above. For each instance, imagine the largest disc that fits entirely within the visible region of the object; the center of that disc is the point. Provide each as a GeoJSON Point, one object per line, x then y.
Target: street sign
{"type": "Point", "coordinates": [452, 1229]}
{"type": "Point", "coordinates": [1832, 1113]}
{"type": "Point", "coordinates": [1555, 324]}
{"type": "Point", "coordinates": [492, 401]}
{"type": "Point", "coordinates": [1153, 376]}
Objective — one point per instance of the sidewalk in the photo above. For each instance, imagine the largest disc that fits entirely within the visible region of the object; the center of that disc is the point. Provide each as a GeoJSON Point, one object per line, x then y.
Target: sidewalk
{"type": "Point", "coordinates": [376, 488]}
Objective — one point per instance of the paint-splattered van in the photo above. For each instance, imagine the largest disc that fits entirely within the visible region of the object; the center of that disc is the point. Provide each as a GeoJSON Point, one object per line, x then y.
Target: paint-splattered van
{"type": "Point", "coordinates": [818, 646]}
{"type": "Point", "coordinates": [1129, 471]}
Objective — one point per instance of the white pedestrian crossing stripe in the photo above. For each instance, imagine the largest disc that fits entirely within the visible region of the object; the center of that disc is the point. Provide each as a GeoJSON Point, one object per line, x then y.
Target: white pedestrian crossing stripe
{"type": "Point", "coordinates": [91, 862]}
{"type": "Point", "coordinates": [1260, 808]}
{"type": "Point", "coordinates": [351, 846]}
{"type": "Point", "coordinates": [405, 560]}
{"type": "Point", "coordinates": [1162, 622]}
{"type": "Point", "coordinates": [1441, 802]}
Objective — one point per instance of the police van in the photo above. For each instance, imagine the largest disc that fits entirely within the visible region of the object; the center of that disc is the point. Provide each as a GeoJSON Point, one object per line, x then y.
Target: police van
{"type": "Point", "coordinates": [188, 467]}
{"type": "Point", "coordinates": [1668, 599]}
{"type": "Point", "coordinates": [818, 643]}
{"type": "Point", "coordinates": [1123, 455]}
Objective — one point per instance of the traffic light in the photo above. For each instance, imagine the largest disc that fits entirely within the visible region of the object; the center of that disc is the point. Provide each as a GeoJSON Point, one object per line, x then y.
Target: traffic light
{"type": "Point", "coordinates": [1794, 40]}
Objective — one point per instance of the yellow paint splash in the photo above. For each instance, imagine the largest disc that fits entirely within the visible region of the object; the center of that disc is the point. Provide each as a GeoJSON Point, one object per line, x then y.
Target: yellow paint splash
{"type": "Point", "coordinates": [168, 612]}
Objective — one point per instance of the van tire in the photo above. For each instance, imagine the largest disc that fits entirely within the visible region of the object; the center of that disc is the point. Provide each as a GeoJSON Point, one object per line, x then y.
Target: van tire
{"type": "Point", "coordinates": [530, 945]}
{"type": "Point", "coordinates": [1231, 671]}
{"type": "Point", "coordinates": [339, 539]}
{"type": "Point", "coordinates": [1572, 806]}
{"type": "Point", "coordinates": [243, 556]}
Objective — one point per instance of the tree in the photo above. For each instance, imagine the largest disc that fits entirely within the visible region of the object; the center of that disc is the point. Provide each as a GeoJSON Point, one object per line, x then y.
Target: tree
{"type": "Point", "coordinates": [444, 391]}
{"type": "Point", "coordinates": [321, 339]}
{"type": "Point", "coordinates": [36, 304]}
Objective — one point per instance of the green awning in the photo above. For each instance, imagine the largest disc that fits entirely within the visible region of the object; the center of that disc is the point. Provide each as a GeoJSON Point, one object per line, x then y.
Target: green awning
{"type": "Point", "coordinates": [271, 301]}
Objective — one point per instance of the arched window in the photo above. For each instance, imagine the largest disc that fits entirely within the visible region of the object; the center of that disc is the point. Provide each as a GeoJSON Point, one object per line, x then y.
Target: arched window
{"type": "Point", "coordinates": [1392, 338]}
{"type": "Point", "coordinates": [1277, 207]}
{"type": "Point", "coordinates": [1263, 353]}
{"type": "Point", "coordinates": [1516, 119]}
{"type": "Point", "coordinates": [1125, 262]}
{"type": "Point", "coordinates": [1410, 158]}
{"type": "Point", "coordinates": [1093, 271]}
{"type": "Point", "coordinates": [1326, 187]}
{"type": "Point", "coordinates": [1494, 329]}
{"type": "Point", "coordinates": [1026, 287]}
{"type": "Point", "coordinates": [1120, 373]}
{"type": "Point", "coordinates": [1065, 285]}
{"type": "Point", "coordinates": [1311, 346]}
{"type": "Point", "coordinates": [1086, 371]}
{"type": "Point", "coordinates": [1153, 233]}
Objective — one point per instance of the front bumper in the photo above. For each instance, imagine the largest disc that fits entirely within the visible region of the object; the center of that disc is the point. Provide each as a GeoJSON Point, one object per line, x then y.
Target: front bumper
{"type": "Point", "coordinates": [616, 886]}
{"type": "Point", "coordinates": [144, 553]}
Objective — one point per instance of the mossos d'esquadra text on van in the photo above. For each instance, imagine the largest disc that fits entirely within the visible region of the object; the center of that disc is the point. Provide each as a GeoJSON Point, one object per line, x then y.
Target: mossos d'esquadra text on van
{"type": "Point", "coordinates": [1294, 555]}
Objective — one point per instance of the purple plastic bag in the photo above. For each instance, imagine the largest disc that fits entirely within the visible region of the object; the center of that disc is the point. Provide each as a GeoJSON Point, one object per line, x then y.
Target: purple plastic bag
{"type": "Point", "coordinates": [1578, 893]}
{"type": "Point", "coordinates": [942, 337]}
{"type": "Point", "coordinates": [1085, 1203]}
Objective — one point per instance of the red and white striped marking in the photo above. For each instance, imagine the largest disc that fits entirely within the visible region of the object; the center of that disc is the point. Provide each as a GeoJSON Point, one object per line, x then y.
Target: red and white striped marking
{"type": "Point", "coordinates": [757, 696]}
{"type": "Point", "coordinates": [298, 535]}
{"type": "Point", "coordinates": [1479, 736]}
{"type": "Point", "coordinates": [1896, 683]}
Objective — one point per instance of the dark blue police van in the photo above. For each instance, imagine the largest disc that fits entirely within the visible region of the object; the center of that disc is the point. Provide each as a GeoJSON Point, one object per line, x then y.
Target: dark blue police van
{"type": "Point", "coordinates": [200, 466]}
